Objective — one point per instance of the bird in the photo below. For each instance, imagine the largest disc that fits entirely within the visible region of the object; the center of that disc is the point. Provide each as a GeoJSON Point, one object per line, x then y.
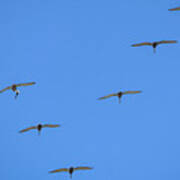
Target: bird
{"type": "Point", "coordinates": [70, 170]}
{"type": "Point", "coordinates": [119, 94]}
{"type": "Point", "coordinates": [14, 88]}
{"type": "Point", "coordinates": [154, 44]}
{"type": "Point", "coordinates": [174, 9]}
{"type": "Point", "coordinates": [39, 127]}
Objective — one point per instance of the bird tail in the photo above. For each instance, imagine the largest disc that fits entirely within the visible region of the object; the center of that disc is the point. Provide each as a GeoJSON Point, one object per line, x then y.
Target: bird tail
{"type": "Point", "coordinates": [154, 50]}
{"type": "Point", "coordinates": [119, 100]}
{"type": "Point", "coordinates": [39, 132]}
{"type": "Point", "coordinates": [17, 93]}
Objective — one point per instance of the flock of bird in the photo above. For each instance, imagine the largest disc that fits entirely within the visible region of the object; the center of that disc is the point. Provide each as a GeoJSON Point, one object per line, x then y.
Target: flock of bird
{"type": "Point", "coordinates": [39, 127]}
{"type": "Point", "coordinates": [118, 94]}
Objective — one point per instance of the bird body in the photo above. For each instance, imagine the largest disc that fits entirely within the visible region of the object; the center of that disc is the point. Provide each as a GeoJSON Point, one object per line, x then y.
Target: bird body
{"type": "Point", "coordinates": [119, 94]}
{"type": "Point", "coordinates": [154, 44]}
{"type": "Point", "coordinates": [70, 170]}
{"type": "Point", "coordinates": [14, 88]}
{"type": "Point", "coordinates": [39, 127]}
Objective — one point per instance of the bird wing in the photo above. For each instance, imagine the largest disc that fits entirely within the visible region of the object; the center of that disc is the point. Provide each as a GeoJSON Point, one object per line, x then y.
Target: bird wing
{"type": "Point", "coordinates": [27, 129]}
{"type": "Point", "coordinates": [59, 170]}
{"type": "Point", "coordinates": [105, 97]}
{"type": "Point", "coordinates": [167, 42]}
{"type": "Point", "coordinates": [9, 87]}
{"type": "Point", "coordinates": [25, 84]}
{"type": "Point", "coordinates": [174, 9]}
{"type": "Point", "coordinates": [83, 168]}
{"type": "Point", "coordinates": [142, 44]}
{"type": "Point", "coordinates": [51, 125]}
{"type": "Point", "coordinates": [131, 92]}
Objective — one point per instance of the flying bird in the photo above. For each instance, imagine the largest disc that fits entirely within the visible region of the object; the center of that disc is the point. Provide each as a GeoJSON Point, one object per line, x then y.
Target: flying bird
{"type": "Point", "coordinates": [119, 94]}
{"type": "Point", "coordinates": [174, 9]}
{"type": "Point", "coordinates": [39, 127]}
{"type": "Point", "coordinates": [70, 170]}
{"type": "Point", "coordinates": [153, 44]}
{"type": "Point", "coordinates": [14, 88]}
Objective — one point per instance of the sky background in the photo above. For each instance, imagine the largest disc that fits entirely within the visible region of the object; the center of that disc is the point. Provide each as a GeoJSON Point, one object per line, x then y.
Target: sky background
{"type": "Point", "coordinates": [77, 51]}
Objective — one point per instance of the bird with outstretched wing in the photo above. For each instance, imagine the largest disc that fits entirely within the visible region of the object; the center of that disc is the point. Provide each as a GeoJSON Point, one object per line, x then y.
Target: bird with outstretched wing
{"type": "Point", "coordinates": [71, 170]}
{"type": "Point", "coordinates": [14, 87]}
{"type": "Point", "coordinates": [154, 44]}
{"type": "Point", "coordinates": [119, 94]}
{"type": "Point", "coordinates": [39, 127]}
{"type": "Point", "coordinates": [174, 9]}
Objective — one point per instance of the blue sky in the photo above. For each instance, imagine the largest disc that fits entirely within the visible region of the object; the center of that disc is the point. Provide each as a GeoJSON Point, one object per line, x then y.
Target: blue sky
{"type": "Point", "coordinates": [78, 51]}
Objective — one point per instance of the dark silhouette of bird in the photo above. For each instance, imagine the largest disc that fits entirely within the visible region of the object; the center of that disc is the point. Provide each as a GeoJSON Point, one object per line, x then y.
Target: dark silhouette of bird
{"type": "Point", "coordinates": [70, 170]}
{"type": "Point", "coordinates": [174, 9]}
{"type": "Point", "coordinates": [154, 44]}
{"type": "Point", "coordinates": [14, 88]}
{"type": "Point", "coordinates": [119, 94]}
{"type": "Point", "coordinates": [39, 127]}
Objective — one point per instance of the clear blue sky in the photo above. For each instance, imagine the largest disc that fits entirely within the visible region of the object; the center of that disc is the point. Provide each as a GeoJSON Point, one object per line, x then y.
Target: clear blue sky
{"type": "Point", "coordinates": [78, 51]}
